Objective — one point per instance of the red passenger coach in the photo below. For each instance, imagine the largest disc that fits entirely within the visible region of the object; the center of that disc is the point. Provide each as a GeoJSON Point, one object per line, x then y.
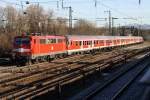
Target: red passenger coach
{"type": "Point", "coordinates": [89, 43]}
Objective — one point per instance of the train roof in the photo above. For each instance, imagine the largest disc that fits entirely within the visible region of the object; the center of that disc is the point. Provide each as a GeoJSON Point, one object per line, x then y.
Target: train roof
{"type": "Point", "coordinates": [81, 37]}
{"type": "Point", "coordinates": [42, 37]}
{"type": "Point", "coordinates": [84, 37]}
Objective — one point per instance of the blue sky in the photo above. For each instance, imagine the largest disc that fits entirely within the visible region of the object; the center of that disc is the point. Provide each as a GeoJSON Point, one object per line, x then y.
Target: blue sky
{"type": "Point", "coordinates": [86, 9]}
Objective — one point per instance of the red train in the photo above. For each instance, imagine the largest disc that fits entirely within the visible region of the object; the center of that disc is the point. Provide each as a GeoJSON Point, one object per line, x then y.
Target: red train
{"type": "Point", "coordinates": [36, 47]}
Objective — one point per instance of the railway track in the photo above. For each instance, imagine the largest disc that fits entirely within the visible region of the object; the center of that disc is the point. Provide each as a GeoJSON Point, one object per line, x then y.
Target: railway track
{"type": "Point", "coordinates": [115, 86]}
{"type": "Point", "coordinates": [29, 82]}
{"type": "Point", "coordinates": [26, 76]}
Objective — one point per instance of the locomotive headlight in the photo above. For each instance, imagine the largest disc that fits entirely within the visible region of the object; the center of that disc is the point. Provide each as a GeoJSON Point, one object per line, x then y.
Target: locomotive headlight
{"type": "Point", "coordinates": [21, 50]}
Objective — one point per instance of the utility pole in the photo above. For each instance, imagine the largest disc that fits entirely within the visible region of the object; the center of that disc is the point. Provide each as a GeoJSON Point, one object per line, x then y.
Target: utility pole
{"type": "Point", "coordinates": [109, 21]}
{"type": "Point", "coordinates": [139, 2]}
{"type": "Point", "coordinates": [109, 17]}
{"type": "Point", "coordinates": [102, 19]}
{"type": "Point", "coordinates": [38, 18]}
{"type": "Point", "coordinates": [23, 24]}
{"type": "Point", "coordinates": [70, 16]}
{"type": "Point", "coordinates": [70, 20]}
{"type": "Point", "coordinates": [95, 3]}
{"type": "Point", "coordinates": [113, 25]}
{"type": "Point", "coordinates": [22, 7]}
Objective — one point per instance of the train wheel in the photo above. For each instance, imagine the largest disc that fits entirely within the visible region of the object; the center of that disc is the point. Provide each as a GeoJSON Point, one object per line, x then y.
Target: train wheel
{"type": "Point", "coordinates": [28, 63]}
{"type": "Point", "coordinates": [18, 63]}
{"type": "Point", "coordinates": [36, 60]}
{"type": "Point", "coordinates": [33, 61]}
{"type": "Point", "coordinates": [48, 59]}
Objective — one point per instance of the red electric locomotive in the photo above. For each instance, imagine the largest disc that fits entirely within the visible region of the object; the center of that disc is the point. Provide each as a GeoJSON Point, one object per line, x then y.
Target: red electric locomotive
{"type": "Point", "coordinates": [34, 48]}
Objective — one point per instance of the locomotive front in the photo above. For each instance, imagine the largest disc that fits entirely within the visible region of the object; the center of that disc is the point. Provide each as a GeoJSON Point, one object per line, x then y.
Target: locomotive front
{"type": "Point", "coordinates": [22, 49]}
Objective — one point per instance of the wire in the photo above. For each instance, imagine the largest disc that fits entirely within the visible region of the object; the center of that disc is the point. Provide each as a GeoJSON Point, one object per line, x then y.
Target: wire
{"type": "Point", "coordinates": [117, 11]}
{"type": "Point", "coordinates": [2, 15]}
{"type": "Point", "coordinates": [10, 2]}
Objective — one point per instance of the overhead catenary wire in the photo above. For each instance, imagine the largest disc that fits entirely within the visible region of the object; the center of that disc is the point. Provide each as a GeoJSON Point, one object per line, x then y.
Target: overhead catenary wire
{"type": "Point", "coordinates": [8, 2]}
{"type": "Point", "coordinates": [95, 4]}
{"type": "Point", "coordinates": [115, 10]}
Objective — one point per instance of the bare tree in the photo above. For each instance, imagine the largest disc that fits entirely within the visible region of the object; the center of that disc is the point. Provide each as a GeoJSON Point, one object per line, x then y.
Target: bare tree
{"type": "Point", "coordinates": [62, 26]}
{"type": "Point", "coordinates": [84, 27]}
{"type": "Point", "coordinates": [11, 17]}
{"type": "Point", "coordinates": [2, 20]}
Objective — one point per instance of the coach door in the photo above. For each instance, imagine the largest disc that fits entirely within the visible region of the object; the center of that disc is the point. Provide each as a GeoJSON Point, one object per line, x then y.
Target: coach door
{"type": "Point", "coordinates": [81, 44]}
{"type": "Point", "coordinates": [36, 47]}
{"type": "Point", "coordinates": [92, 43]}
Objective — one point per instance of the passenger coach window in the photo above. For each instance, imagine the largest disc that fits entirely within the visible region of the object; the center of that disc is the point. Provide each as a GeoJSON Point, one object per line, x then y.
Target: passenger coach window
{"type": "Point", "coordinates": [90, 42]}
{"type": "Point", "coordinates": [87, 42]}
{"type": "Point", "coordinates": [76, 43]}
{"type": "Point", "coordinates": [94, 42]}
{"type": "Point", "coordinates": [97, 42]}
{"type": "Point", "coordinates": [108, 41]}
{"type": "Point", "coordinates": [59, 40]}
{"type": "Point", "coordinates": [80, 43]}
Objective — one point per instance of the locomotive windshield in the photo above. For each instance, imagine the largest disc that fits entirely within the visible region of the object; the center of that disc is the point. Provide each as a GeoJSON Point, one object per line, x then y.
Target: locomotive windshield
{"type": "Point", "coordinates": [19, 41]}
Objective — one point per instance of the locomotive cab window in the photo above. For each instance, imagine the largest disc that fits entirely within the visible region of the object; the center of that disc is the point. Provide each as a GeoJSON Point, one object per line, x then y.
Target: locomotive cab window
{"type": "Point", "coordinates": [53, 40]}
{"type": "Point", "coordinates": [20, 41]}
{"type": "Point", "coordinates": [42, 41]}
{"type": "Point", "coordinates": [50, 41]}
{"type": "Point", "coordinates": [34, 41]}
